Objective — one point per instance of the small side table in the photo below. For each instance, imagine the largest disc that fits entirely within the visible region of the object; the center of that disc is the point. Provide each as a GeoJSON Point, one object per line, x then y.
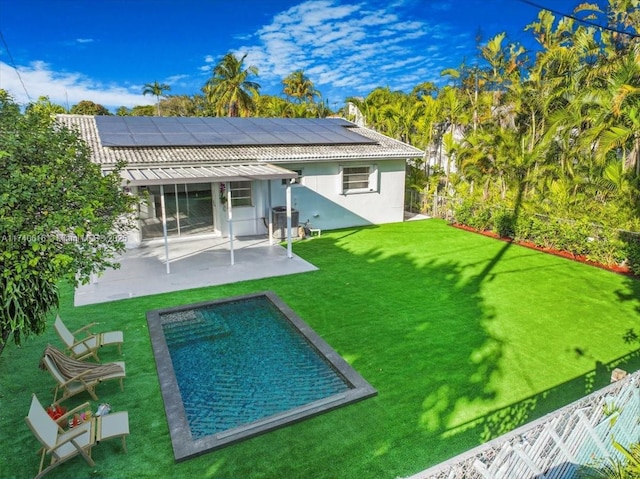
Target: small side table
{"type": "Point", "coordinates": [113, 425]}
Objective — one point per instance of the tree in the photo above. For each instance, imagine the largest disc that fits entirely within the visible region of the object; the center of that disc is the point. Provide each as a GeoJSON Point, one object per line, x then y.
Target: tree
{"type": "Point", "coordinates": [45, 107]}
{"type": "Point", "coordinates": [61, 218]}
{"type": "Point", "coordinates": [156, 89]}
{"type": "Point", "coordinates": [273, 106]}
{"type": "Point", "coordinates": [299, 87]}
{"type": "Point", "coordinates": [86, 107]}
{"type": "Point", "coordinates": [182, 105]}
{"type": "Point", "coordinates": [229, 91]}
{"type": "Point", "coordinates": [143, 110]}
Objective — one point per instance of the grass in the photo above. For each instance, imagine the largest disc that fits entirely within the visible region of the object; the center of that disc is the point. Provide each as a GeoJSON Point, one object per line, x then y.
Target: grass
{"type": "Point", "coordinates": [465, 337]}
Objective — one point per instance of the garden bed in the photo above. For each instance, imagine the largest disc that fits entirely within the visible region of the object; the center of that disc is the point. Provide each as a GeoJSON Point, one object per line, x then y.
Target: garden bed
{"type": "Point", "coordinates": [564, 254]}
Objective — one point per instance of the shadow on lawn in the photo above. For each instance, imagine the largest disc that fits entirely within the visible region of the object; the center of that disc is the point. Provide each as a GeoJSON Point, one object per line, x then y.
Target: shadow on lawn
{"type": "Point", "coordinates": [433, 344]}
{"type": "Point", "coordinates": [632, 293]}
{"type": "Point", "coordinates": [450, 351]}
{"type": "Point", "coordinates": [504, 420]}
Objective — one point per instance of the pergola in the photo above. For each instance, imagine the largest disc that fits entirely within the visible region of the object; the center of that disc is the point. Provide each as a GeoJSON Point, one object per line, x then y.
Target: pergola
{"type": "Point", "coordinates": [165, 175]}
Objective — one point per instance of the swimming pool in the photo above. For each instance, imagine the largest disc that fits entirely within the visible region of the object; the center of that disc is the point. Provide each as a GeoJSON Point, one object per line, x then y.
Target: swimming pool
{"type": "Point", "coordinates": [234, 368]}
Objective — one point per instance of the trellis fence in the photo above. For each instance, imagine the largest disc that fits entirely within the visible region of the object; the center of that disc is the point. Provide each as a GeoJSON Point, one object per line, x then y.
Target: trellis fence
{"type": "Point", "coordinates": [436, 206]}
{"type": "Point", "coordinates": [555, 446]}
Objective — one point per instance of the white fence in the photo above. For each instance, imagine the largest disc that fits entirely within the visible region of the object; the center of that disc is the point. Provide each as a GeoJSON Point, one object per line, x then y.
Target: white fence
{"type": "Point", "coordinates": [555, 446]}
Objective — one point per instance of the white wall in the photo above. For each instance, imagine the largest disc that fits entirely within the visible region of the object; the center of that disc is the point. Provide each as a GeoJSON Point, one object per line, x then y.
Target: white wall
{"type": "Point", "coordinates": [320, 199]}
{"type": "Point", "coordinates": [247, 220]}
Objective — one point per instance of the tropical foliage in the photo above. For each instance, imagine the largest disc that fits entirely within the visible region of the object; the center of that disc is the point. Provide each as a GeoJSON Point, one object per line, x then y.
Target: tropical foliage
{"type": "Point", "coordinates": [540, 148]}
{"type": "Point", "coordinates": [299, 87]}
{"type": "Point", "coordinates": [230, 90]}
{"type": "Point", "coordinates": [87, 107]}
{"type": "Point", "coordinates": [61, 218]}
{"type": "Point", "coordinates": [627, 467]}
{"type": "Point", "coordinates": [156, 89]}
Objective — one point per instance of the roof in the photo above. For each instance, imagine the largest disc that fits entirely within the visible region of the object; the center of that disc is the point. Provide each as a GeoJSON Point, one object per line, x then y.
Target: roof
{"type": "Point", "coordinates": [121, 131]}
{"type": "Point", "coordinates": [380, 147]}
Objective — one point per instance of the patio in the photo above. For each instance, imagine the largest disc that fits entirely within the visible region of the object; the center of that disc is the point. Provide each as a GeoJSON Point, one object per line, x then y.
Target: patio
{"type": "Point", "coordinates": [193, 263]}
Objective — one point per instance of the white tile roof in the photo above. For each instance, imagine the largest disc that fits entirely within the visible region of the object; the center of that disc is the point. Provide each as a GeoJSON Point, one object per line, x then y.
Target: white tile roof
{"type": "Point", "coordinates": [383, 148]}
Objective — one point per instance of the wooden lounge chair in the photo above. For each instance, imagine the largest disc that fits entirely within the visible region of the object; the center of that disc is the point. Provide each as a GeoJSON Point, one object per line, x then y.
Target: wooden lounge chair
{"type": "Point", "coordinates": [82, 347]}
{"type": "Point", "coordinates": [73, 376]}
{"type": "Point", "coordinates": [62, 445]}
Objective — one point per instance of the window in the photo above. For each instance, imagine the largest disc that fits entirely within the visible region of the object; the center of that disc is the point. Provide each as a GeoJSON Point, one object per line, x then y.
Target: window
{"type": "Point", "coordinates": [240, 193]}
{"type": "Point", "coordinates": [293, 181]}
{"type": "Point", "coordinates": [359, 179]}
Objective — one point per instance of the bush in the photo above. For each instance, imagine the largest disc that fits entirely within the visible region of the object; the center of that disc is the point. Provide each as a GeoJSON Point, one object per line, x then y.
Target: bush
{"type": "Point", "coordinates": [481, 218]}
{"type": "Point", "coordinates": [464, 212]}
{"type": "Point", "coordinates": [631, 242]}
{"type": "Point", "coordinates": [574, 237]}
{"type": "Point", "coordinates": [504, 223]}
{"type": "Point", "coordinates": [580, 237]}
{"type": "Point", "coordinates": [607, 247]}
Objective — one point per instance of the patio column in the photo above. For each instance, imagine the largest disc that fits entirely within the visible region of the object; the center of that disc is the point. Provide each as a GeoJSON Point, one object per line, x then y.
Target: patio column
{"type": "Point", "coordinates": [269, 213]}
{"type": "Point", "coordinates": [164, 230]}
{"type": "Point", "coordinates": [288, 203]}
{"type": "Point", "coordinates": [230, 219]}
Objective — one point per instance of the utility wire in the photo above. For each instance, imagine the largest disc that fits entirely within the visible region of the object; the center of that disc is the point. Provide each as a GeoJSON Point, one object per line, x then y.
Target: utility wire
{"type": "Point", "coordinates": [587, 22]}
{"type": "Point", "coordinates": [13, 64]}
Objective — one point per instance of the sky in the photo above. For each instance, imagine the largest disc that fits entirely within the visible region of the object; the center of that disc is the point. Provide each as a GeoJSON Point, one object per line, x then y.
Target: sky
{"type": "Point", "coordinates": [105, 51]}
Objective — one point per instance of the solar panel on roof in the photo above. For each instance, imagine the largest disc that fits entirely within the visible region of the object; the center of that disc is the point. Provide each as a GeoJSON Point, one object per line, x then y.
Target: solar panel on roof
{"type": "Point", "coordinates": [179, 131]}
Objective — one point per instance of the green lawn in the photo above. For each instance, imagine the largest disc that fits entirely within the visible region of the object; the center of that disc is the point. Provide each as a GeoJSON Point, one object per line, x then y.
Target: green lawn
{"type": "Point", "coordinates": [464, 337]}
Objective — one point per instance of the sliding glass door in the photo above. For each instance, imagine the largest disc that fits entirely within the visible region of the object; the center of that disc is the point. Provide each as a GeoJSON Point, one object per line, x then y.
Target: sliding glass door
{"type": "Point", "coordinates": [189, 210]}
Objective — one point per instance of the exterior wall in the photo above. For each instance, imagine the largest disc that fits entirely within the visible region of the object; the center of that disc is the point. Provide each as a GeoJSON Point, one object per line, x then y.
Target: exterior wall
{"type": "Point", "coordinates": [247, 220]}
{"type": "Point", "coordinates": [320, 199]}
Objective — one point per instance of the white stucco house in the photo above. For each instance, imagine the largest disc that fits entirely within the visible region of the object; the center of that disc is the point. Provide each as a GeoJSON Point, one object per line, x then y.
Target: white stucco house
{"type": "Point", "coordinates": [240, 176]}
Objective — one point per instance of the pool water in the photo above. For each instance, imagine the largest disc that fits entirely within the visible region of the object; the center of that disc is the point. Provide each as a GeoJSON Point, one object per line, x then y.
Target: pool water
{"type": "Point", "coordinates": [241, 361]}
{"type": "Point", "coordinates": [235, 368]}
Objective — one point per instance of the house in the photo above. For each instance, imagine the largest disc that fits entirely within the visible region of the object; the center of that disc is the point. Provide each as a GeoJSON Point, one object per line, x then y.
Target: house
{"type": "Point", "coordinates": [249, 176]}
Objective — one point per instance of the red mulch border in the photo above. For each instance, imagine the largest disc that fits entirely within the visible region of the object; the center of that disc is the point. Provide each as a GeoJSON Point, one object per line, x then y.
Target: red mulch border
{"type": "Point", "coordinates": [563, 254]}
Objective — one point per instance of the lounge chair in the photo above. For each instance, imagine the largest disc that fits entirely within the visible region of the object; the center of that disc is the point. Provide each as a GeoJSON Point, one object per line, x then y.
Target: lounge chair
{"type": "Point", "coordinates": [73, 376]}
{"type": "Point", "coordinates": [62, 445]}
{"type": "Point", "coordinates": [88, 345]}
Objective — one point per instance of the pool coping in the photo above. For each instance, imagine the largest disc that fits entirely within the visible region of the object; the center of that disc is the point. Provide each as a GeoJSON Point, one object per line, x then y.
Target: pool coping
{"type": "Point", "coordinates": [184, 446]}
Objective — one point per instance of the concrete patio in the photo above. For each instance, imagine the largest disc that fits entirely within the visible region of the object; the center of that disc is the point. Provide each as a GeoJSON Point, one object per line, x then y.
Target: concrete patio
{"type": "Point", "coordinates": [193, 263]}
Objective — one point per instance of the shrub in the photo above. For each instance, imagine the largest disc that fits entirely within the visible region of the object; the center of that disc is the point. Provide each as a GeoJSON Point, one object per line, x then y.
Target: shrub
{"type": "Point", "coordinates": [504, 222]}
{"type": "Point", "coordinates": [631, 247]}
{"type": "Point", "coordinates": [481, 218]}
{"type": "Point", "coordinates": [464, 212]}
{"type": "Point", "coordinates": [607, 247]}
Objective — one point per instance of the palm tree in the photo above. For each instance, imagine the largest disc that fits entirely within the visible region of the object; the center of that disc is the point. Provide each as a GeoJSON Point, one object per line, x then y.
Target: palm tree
{"type": "Point", "coordinates": [229, 90]}
{"type": "Point", "coordinates": [156, 89]}
{"type": "Point", "coordinates": [298, 86]}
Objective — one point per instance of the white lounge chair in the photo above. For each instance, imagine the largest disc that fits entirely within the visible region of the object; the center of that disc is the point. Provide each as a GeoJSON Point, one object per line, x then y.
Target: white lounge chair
{"type": "Point", "coordinates": [63, 445]}
{"type": "Point", "coordinates": [82, 347]}
{"type": "Point", "coordinates": [73, 376]}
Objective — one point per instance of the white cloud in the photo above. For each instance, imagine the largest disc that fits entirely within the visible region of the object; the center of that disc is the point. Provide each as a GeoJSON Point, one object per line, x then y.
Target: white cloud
{"type": "Point", "coordinates": [84, 40]}
{"type": "Point", "coordinates": [65, 88]}
{"type": "Point", "coordinates": [341, 46]}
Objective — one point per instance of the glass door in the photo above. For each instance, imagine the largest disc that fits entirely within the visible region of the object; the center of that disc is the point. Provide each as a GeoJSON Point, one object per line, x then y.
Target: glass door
{"type": "Point", "coordinates": [189, 210]}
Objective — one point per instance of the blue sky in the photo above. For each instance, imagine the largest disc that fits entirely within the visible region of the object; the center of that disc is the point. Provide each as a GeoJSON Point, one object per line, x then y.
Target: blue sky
{"type": "Point", "coordinates": [106, 50]}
